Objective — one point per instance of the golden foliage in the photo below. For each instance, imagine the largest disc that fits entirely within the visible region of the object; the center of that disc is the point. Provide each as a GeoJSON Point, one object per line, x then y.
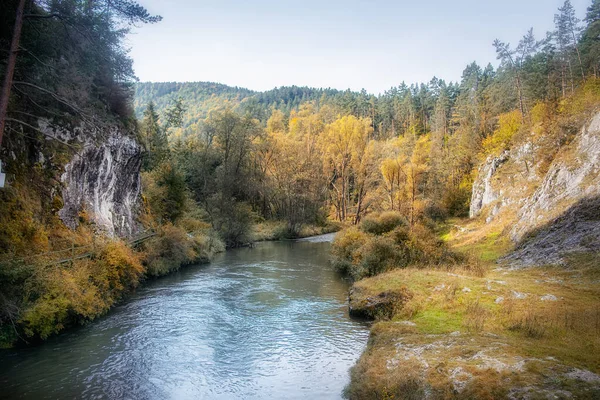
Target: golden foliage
{"type": "Point", "coordinates": [508, 126]}
{"type": "Point", "coordinates": [59, 296]}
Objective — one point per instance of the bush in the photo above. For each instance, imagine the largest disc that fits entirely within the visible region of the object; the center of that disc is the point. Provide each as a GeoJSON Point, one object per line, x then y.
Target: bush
{"type": "Point", "coordinates": [64, 296]}
{"type": "Point", "coordinates": [232, 220]}
{"type": "Point", "coordinates": [174, 247]}
{"type": "Point", "coordinates": [379, 255]}
{"type": "Point", "coordinates": [384, 243]}
{"type": "Point", "coordinates": [116, 270]}
{"type": "Point", "coordinates": [169, 251]}
{"type": "Point", "coordinates": [384, 223]}
{"type": "Point", "coordinates": [345, 245]}
{"type": "Point", "coordinates": [20, 231]}
{"type": "Point", "coordinates": [165, 192]}
{"type": "Point", "coordinates": [508, 125]}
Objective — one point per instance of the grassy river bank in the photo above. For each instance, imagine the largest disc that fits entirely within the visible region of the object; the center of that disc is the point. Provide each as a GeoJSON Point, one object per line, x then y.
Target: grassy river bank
{"type": "Point", "coordinates": [487, 332]}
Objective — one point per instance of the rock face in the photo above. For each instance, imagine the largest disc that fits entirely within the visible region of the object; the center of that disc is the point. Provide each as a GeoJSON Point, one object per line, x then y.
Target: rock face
{"type": "Point", "coordinates": [104, 180]}
{"type": "Point", "coordinates": [574, 175]}
{"type": "Point", "coordinates": [483, 190]}
{"type": "Point", "coordinates": [577, 230]}
{"type": "Point", "coordinates": [554, 208]}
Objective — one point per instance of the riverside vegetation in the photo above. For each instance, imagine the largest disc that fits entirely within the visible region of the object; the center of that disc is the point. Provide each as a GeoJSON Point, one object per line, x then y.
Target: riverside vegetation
{"type": "Point", "coordinates": [214, 167]}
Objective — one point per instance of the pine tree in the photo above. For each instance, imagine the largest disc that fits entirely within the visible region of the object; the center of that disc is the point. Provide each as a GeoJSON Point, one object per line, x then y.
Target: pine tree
{"type": "Point", "coordinates": [154, 138]}
{"type": "Point", "coordinates": [590, 41]}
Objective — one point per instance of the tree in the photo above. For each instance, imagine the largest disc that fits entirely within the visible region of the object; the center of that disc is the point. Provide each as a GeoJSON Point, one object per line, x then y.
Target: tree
{"type": "Point", "coordinates": [568, 33]}
{"type": "Point", "coordinates": [514, 61]}
{"type": "Point", "coordinates": [155, 139]}
{"type": "Point", "coordinates": [567, 36]}
{"type": "Point", "coordinates": [10, 68]}
{"type": "Point", "coordinates": [394, 178]}
{"type": "Point", "coordinates": [174, 113]}
{"type": "Point", "coordinates": [89, 31]}
{"type": "Point", "coordinates": [344, 142]}
{"type": "Point", "coordinates": [166, 192]}
{"type": "Point", "coordinates": [590, 41]}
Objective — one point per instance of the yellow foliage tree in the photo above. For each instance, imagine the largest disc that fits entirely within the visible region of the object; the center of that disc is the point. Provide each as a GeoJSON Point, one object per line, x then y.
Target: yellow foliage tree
{"type": "Point", "coordinates": [346, 155]}
{"type": "Point", "coordinates": [405, 177]}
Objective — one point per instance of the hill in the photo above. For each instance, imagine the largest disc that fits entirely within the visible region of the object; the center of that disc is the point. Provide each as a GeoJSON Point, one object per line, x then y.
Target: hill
{"type": "Point", "coordinates": [202, 97]}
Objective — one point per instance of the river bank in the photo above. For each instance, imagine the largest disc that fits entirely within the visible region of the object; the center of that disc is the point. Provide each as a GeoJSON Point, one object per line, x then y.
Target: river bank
{"type": "Point", "coordinates": [109, 273]}
{"type": "Point", "coordinates": [277, 230]}
{"type": "Point", "coordinates": [492, 333]}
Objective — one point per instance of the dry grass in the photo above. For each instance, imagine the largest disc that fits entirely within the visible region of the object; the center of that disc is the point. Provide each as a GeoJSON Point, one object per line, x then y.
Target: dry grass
{"type": "Point", "coordinates": [547, 317]}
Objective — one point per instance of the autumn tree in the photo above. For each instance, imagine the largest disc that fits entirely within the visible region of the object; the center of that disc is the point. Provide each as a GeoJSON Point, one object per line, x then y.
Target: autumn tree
{"type": "Point", "coordinates": [344, 142]}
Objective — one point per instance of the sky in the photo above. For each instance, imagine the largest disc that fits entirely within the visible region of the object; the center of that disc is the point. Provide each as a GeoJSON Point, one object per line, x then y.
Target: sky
{"type": "Point", "coordinates": [356, 44]}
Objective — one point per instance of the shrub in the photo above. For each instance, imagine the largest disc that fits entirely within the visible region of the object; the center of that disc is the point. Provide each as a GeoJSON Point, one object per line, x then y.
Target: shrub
{"type": "Point", "coordinates": [20, 231]}
{"type": "Point", "coordinates": [116, 269]}
{"type": "Point", "coordinates": [169, 251]}
{"type": "Point", "coordinates": [66, 295]}
{"type": "Point", "coordinates": [362, 253]}
{"type": "Point", "coordinates": [456, 200]}
{"type": "Point", "coordinates": [379, 255]}
{"type": "Point", "coordinates": [345, 245]}
{"type": "Point", "coordinates": [232, 220]}
{"type": "Point", "coordinates": [175, 247]}
{"type": "Point", "coordinates": [386, 222]}
{"type": "Point", "coordinates": [165, 192]}
{"type": "Point", "coordinates": [425, 247]}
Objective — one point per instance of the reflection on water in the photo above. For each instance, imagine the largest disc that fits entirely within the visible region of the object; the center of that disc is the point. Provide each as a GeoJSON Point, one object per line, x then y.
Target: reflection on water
{"type": "Point", "coordinates": [264, 323]}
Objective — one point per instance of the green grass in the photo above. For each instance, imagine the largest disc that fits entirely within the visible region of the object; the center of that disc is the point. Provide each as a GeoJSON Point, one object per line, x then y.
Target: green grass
{"type": "Point", "coordinates": [436, 321]}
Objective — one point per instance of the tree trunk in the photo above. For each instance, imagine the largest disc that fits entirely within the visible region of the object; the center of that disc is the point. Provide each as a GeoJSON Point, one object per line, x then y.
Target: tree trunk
{"type": "Point", "coordinates": [571, 76]}
{"type": "Point", "coordinates": [578, 55]}
{"type": "Point", "coordinates": [359, 207]}
{"type": "Point", "coordinates": [10, 67]}
{"type": "Point", "coordinates": [520, 93]}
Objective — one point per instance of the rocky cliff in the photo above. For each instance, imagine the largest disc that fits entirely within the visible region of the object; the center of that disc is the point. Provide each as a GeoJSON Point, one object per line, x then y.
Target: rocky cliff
{"type": "Point", "coordinates": [102, 179]}
{"type": "Point", "coordinates": [553, 203]}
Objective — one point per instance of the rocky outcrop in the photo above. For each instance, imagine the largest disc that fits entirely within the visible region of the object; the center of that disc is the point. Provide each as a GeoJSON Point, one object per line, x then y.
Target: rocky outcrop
{"type": "Point", "coordinates": [484, 192]}
{"type": "Point", "coordinates": [102, 179]}
{"type": "Point", "coordinates": [574, 175]}
{"type": "Point", "coordinates": [381, 306]}
{"type": "Point", "coordinates": [577, 230]}
{"type": "Point", "coordinates": [555, 203]}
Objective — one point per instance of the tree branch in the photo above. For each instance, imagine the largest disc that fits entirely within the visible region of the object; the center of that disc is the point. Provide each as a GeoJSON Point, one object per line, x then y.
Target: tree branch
{"type": "Point", "coordinates": [54, 96]}
{"type": "Point", "coordinates": [42, 16]}
{"type": "Point", "coordinates": [75, 149]}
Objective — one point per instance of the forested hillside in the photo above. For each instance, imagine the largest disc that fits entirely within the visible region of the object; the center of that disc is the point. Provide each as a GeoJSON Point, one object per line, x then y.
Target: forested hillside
{"type": "Point", "coordinates": [200, 98]}
{"type": "Point", "coordinates": [304, 155]}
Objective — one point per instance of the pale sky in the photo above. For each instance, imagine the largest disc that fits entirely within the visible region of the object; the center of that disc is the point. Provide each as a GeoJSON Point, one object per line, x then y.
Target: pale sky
{"type": "Point", "coordinates": [377, 44]}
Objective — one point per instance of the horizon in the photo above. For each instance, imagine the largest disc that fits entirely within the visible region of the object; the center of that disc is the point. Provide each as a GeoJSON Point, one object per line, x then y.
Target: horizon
{"type": "Point", "coordinates": [204, 43]}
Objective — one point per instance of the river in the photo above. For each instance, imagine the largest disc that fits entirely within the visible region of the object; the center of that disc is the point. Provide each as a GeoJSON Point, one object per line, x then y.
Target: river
{"type": "Point", "coordinates": [269, 322]}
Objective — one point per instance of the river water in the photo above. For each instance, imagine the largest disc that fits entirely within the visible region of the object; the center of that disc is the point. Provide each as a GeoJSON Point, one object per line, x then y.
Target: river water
{"type": "Point", "coordinates": [264, 323]}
